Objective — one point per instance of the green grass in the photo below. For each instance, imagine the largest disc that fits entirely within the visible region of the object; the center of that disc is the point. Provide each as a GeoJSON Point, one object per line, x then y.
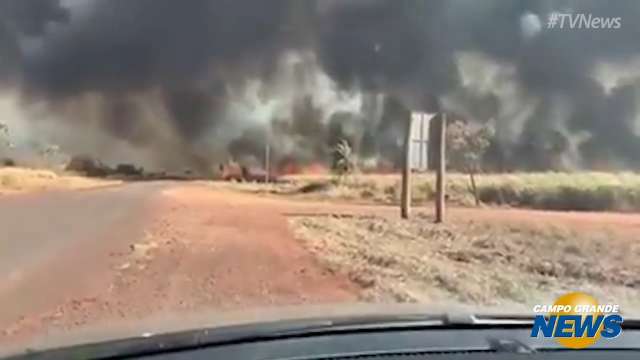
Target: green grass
{"type": "Point", "coordinates": [580, 191]}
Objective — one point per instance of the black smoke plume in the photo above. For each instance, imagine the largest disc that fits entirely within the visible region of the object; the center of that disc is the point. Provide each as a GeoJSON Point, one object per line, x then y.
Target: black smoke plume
{"type": "Point", "coordinates": [168, 75]}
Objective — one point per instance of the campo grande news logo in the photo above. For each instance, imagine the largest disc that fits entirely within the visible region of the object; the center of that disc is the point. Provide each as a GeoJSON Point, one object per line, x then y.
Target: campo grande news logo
{"type": "Point", "coordinates": [577, 321]}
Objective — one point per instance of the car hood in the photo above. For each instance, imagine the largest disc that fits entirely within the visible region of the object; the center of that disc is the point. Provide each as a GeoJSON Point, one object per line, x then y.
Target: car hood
{"type": "Point", "coordinates": [195, 320]}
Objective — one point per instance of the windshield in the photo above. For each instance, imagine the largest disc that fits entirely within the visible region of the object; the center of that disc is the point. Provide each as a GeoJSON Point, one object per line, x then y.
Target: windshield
{"type": "Point", "coordinates": [166, 160]}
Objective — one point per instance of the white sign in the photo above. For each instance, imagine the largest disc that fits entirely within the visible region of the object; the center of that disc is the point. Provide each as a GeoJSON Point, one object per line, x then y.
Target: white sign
{"type": "Point", "coordinates": [420, 140]}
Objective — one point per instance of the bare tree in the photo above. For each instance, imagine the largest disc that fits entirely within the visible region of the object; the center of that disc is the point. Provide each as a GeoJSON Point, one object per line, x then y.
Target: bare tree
{"type": "Point", "coordinates": [49, 153]}
{"type": "Point", "coordinates": [467, 144]}
{"type": "Point", "coordinates": [49, 150]}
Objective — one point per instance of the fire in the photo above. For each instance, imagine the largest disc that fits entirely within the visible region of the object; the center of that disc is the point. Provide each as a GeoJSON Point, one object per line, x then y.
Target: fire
{"type": "Point", "coordinates": [291, 167]}
{"type": "Point", "coordinates": [314, 169]}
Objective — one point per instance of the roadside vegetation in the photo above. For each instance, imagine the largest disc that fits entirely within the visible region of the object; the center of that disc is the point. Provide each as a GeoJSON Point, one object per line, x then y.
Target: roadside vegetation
{"type": "Point", "coordinates": [580, 191]}
{"type": "Point", "coordinates": [15, 179]}
{"type": "Point", "coordinates": [471, 262]}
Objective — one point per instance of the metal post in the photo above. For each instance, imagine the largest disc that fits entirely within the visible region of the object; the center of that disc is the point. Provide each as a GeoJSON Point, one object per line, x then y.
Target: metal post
{"type": "Point", "coordinates": [441, 170]}
{"type": "Point", "coordinates": [405, 205]}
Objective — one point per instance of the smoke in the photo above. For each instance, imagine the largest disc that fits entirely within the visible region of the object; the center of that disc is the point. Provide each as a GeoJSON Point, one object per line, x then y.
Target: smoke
{"type": "Point", "coordinates": [150, 72]}
{"type": "Point", "coordinates": [23, 18]}
{"type": "Point", "coordinates": [393, 47]}
{"type": "Point", "coordinates": [186, 84]}
{"type": "Point", "coordinates": [415, 49]}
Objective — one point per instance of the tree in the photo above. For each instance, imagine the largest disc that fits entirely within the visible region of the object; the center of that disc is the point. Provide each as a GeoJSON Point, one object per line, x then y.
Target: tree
{"type": "Point", "coordinates": [466, 145]}
{"type": "Point", "coordinates": [4, 134]}
{"type": "Point", "coordinates": [49, 153]}
{"type": "Point", "coordinates": [344, 162]}
{"type": "Point", "coordinates": [5, 143]}
{"type": "Point", "coordinates": [5, 139]}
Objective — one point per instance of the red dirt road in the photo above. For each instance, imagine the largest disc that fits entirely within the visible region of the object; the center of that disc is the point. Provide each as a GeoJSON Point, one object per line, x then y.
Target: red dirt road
{"type": "Point", "coordinates": [201, 250]}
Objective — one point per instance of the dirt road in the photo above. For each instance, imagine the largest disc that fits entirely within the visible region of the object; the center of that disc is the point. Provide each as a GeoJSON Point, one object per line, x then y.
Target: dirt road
{"type": "Point", "coordinates": [74, 259]}
{"type": "Point", "coordinates": [47, 237]}
{"type": "Point", "coordinates": [140, 250]}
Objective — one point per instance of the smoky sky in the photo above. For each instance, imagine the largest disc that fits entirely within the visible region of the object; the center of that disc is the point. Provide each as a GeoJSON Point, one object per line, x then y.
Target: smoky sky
{"type": "Point", "coordinates": [142, 62]}
{"type": "Point", "coordinates": [128, 45]}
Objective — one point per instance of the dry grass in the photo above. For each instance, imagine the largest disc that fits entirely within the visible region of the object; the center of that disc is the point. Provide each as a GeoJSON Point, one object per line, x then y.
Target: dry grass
{"type": "Point", "coordinates": [15, 179]}
{"type": "Point", "coordinates": [473, 263]}
{"type": "Point", "coordinates": [583, 191]}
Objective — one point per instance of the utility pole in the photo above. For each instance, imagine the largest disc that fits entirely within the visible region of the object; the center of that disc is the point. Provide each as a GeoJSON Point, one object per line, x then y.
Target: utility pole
{"type": "Point", "coordinates": [441, 170]}
{"type": "Point", "coordinates": [405, 204]}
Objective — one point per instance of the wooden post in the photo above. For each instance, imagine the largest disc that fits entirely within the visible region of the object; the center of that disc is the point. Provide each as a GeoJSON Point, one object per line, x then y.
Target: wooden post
{"type": "Point", "coordinates": [267, 162]}
{"type": "Point", "coordinates": [405, 205]}
{"type": "Point", "coordinates": [441, 170]}
{"type": "Point", "coordinates": [422, 143]}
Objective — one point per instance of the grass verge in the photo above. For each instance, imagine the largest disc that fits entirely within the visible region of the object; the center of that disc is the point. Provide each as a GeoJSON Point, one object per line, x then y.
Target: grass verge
{"type": "Point", "coordinates": [473, 263]}
{"type": "Point", "coordinates": [581, 191]}
{"type": "Point", "coordinates": [13, 179]}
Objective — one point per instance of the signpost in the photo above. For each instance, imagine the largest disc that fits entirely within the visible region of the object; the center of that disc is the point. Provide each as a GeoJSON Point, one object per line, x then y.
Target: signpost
{"type": "Point", "coordinates": [405, 203]}
{"type": "Point", "coordinates": [432, 147]}
{"type": "Point", "coordinates": [441, 169]}
{"type": "Point", "coordinates": [267, 162]}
